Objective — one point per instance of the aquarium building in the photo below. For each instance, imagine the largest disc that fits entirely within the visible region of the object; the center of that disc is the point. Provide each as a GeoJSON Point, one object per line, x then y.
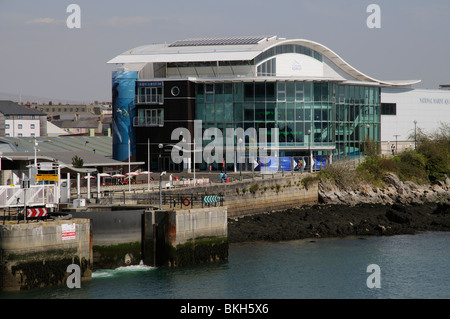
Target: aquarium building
{"type": "Point", "coordinates": [323, 108]}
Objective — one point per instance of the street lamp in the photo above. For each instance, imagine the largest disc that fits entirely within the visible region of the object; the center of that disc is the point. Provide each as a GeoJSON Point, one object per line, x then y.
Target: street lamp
{"type": "Point", "coordinates": [396, 146]}
{"type": "Point", "coordinates": [160, 192]}
{"type": "Point", "coordinates": [310, 151]}
{"type": "Point", "coordinates": [415, 134]}
{"type": "Point", "coordinates": [240, 160]}
{"type": "Point", "coordinates": [129, 165]}
{"type": "Point", "coordinates": [160, 146]}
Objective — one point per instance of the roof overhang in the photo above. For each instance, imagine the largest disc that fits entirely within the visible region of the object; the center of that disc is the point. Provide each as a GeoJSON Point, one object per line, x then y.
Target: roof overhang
{"type": "Point", "coordinates": [165, 54]}
{"type": "Point", "coordinates": [184, 57]}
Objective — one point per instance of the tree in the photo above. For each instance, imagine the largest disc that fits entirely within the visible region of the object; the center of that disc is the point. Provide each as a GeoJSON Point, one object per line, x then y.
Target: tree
{"type": "Point", "coordinates": [77, 162]}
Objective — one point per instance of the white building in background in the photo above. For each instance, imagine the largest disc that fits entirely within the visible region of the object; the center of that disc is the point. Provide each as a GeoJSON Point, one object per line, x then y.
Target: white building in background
{"type": "Point", "coordinates": [20, 121]}
{"type": "Point", "coordinates": [406, 110]}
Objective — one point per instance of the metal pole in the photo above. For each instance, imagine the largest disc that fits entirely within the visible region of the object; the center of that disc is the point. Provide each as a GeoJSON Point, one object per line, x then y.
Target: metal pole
{"type": "Point", "coordinates": [415, 134]}
{"type": "Point", "coordinates": [129, 165]}
{"type": "Point", "coordinates": [148, 165]}
{"type": "Point", "coordinates": [194, 161]}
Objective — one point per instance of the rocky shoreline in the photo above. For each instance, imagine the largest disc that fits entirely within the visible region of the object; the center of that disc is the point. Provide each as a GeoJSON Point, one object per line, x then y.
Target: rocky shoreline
{"type": "Point", "coordinates": [399, 208]}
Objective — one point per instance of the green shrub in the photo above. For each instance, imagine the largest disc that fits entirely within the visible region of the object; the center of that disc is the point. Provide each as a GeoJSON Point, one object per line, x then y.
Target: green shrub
{"type": "Point", "coordinates": [254, 188]}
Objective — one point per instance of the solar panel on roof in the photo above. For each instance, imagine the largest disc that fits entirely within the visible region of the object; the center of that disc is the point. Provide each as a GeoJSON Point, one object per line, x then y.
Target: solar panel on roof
{"type": "Point", "coordinates": [218, 41]}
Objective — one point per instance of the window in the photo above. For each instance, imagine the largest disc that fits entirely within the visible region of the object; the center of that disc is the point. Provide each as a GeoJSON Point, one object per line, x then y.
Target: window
{"type": "Point", "coordinates": [19, 135]}
{"type": "Point", "coordinates": [267, 68]}
{"type": "Point", "coordinates": [150, 95]}
{"type": "Point", "coordinates": [388, 109]}
{"type": "Point", "coordinates": [19, 117]}
{"type": "Point", "coordinates": [19, 126]}
{"type": "Point", "coordinates": [149, 117]}
{"type": "Point", "coordinates": [32, 126]}
{"type": "Point", "coordinates": [7, 126]}
{"type": "Point", "coordinates": [33, 135]}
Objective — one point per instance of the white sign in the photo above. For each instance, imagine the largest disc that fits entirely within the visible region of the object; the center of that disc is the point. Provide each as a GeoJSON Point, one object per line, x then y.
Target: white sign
{"type": "Point", "coordinates": [68, 231]}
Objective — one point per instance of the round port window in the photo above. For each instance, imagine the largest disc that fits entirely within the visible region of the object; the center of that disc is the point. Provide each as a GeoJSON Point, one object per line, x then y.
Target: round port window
{"type": "Point", "coordinates": [175, 91]}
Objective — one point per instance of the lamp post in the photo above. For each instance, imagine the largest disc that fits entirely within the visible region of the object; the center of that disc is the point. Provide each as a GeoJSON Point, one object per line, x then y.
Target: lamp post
{"type": "Point", "coordinates": [240, 160]}
{"type": "Point", "coordinates": [160, 146]}
{"type": "Point", "coordinates": [160, 191]}
{"type": "Point", "coordinates": [148, 165]}
{"type": "Point", "coordinates": [415, 134]}
{"type": "Point", "coordinates": [129, 165]}
{"type": "Point", "coordinates": [35, 158]}
{"type": "Point", "coordinates": [396, 146]}
{"type": "Point", "coordinates": [310, 151]}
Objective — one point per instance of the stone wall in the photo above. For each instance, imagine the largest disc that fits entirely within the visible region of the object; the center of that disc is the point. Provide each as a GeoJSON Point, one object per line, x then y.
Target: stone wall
{"type": "Point", "coordinates": [185, 237]}
{"type": "Point", "coordinates": [37, 254]}
{"type": "Point", "coordinates": [260, 194]}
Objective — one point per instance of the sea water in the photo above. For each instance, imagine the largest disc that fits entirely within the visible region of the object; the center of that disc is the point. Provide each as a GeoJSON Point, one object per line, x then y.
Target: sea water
{"type": "Point", "coordinates": [410, 266]}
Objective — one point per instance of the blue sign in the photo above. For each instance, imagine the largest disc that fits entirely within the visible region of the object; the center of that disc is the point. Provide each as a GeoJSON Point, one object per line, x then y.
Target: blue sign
{"type": "Point", "coordinates": [150, 84]}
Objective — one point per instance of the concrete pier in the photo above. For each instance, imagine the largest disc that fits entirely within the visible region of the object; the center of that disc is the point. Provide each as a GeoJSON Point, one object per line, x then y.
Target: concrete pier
{"type": "Point", "coordinates": [185, 237]}
{"type": "Point", "coordinates": [37, 254]}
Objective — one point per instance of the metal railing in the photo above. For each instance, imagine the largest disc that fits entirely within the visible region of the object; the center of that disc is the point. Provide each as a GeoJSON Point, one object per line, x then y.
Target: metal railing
{"type": "Point", "coordinates": [36, 195]}
{"type": "Point", "coordinates": [184, 200]}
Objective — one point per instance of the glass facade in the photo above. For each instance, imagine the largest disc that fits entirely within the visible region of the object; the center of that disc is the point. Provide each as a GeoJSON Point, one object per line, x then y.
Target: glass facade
{"type": "Point", "coordinates": [309, 115]}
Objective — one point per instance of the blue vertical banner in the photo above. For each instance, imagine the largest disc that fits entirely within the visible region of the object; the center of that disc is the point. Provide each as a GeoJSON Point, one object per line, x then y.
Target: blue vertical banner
{"type": "Point", "coordinates": [123, 91]}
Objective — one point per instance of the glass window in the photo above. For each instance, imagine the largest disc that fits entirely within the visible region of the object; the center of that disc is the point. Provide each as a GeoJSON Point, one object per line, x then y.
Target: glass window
{"type": "Point", "coordinates": [270, 91]}
{"type": "Point", "coordinates": [228, 92]}
{"type": "Point", "coordinates": [260, 112]}
{"type": "Point", "coordinates": [299, 116]}
{"type": "Point", "coordinates": [308, 91]}
{"type": "Point", "coordinates": [249, 91]}
{"type": "Point", "coordinates": [219, 112]}
{"type": "Point", "coordinates": [290, 91]}
{"type": "Point", "coordinates": [228, 112]}
{"type": "Point", "coordinates": [238, 112]}
{"type": "Point", "coordinates": [290, 111]}
{"type": "Point", "coordinates": [249, 112]}
{"type": "Point", "coordinates": [31, 126]}
{"type": "Point", "coordinates": [299, 132]}
{"type": "Point", "coordinates": [281, 112]}
{"type": "Point", "coordinates": [209, 112]}
{"type": "Point", "coordinates": [308, 107]}
{"type": "Point", "coordinates": [238, 89]}
{"type": "Point", "coordinates": [6, 126]}
{"type": "Point", "coordinates": [281, 91]}
{"type": "Point", "coordinates": [299, 91]}
{"type": "Point", "coordinates": [19, 126]}
{"type": "Point", "coordinates": [200, 111]}
{"type": "Point", "coordinates": [317, 92]}
{"type": "Point", "coordinates": [270, 111]}
{"type": "Point", "coordinates": [290, 132]}
{"type": "Point", "coordinates": [260, 91]}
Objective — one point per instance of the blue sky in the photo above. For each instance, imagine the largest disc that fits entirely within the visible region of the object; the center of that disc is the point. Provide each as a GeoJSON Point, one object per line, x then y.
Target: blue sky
{"type": "Point", "coordinates": [40, 56]}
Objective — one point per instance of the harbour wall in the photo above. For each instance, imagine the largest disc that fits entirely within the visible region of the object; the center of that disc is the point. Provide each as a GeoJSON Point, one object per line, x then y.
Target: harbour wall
{"type": "Point", "coordinates": [117, 236]}
{"type": "Point", "coordinates": [37, 254]}
{"type": "Point", "coordinates": [185, 237]}
{"type": "Point", "coordinates": [259, 195]}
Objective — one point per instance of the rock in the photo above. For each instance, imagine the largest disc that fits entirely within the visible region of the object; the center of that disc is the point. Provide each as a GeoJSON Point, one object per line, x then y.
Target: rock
{"type": "Point", "coordinates": [397, 217]}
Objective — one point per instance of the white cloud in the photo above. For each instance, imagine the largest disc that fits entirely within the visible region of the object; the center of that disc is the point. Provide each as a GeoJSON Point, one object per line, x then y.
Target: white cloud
{"type": "Point", "coordinates": [45, 21]}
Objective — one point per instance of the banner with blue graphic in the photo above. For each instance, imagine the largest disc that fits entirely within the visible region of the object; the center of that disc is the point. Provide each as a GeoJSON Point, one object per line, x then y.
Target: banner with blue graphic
{"type": "Point", "coordinates": [123, 91]}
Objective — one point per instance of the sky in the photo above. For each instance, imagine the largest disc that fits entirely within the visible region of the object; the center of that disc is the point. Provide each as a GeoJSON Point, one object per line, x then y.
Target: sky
{"type": "Point", "coordinates": [41, 57]}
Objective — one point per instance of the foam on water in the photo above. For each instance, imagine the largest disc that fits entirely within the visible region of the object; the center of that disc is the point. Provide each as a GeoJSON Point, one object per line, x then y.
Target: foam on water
{"type": "Point", "coordinates": [104, 273]}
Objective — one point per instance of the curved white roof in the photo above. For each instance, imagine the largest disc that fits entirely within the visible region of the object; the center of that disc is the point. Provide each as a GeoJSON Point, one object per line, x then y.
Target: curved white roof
{"type": "Point", "coordinates": [235, 49]}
